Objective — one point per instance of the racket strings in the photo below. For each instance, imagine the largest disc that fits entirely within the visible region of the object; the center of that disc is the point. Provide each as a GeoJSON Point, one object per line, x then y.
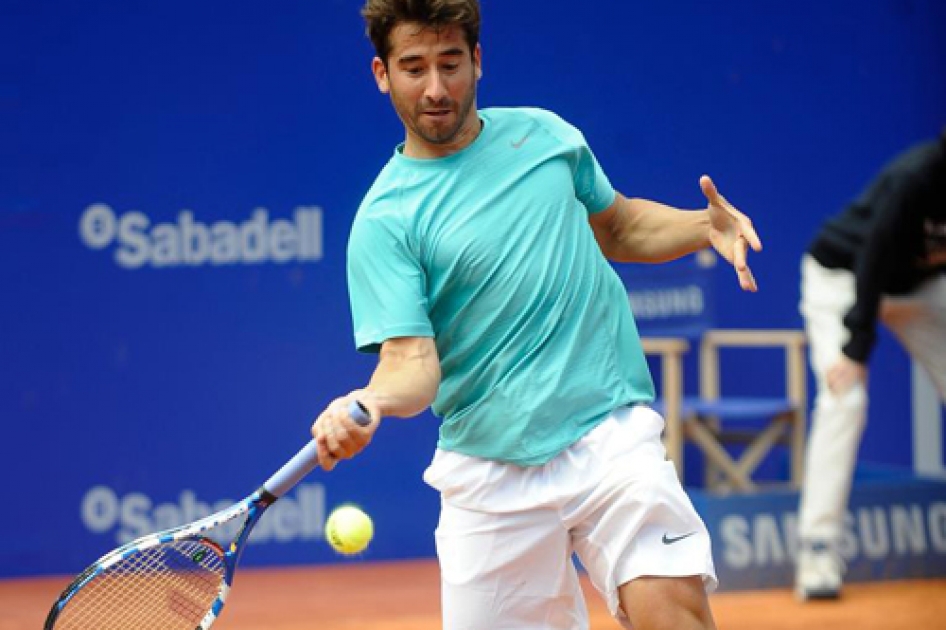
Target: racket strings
{"type": "Point", "coordinates": [166, 587]}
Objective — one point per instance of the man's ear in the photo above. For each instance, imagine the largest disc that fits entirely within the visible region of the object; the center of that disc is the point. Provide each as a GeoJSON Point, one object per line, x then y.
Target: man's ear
{"type": "Point", "coordinates": [380, 75]}
{"type": "Point", "coordinates": [478, 61]}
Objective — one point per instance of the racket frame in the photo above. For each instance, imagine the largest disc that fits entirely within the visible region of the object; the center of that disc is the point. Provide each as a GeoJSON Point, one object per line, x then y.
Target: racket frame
{"type": "Point", "coordinates": [253, 506]}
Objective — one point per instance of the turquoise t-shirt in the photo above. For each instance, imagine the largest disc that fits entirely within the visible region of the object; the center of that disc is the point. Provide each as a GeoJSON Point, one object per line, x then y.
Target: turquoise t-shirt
{"type": "Point", "coordinates": [489, 251]}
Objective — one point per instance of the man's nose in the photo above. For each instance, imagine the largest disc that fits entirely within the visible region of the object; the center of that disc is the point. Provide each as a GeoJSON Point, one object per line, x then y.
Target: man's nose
{"type": "Point", "coordinates": [436, 89]}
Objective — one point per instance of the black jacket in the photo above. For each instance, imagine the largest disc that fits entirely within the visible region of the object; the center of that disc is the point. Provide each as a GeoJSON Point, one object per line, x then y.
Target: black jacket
{"type": "Point", "coordinates": [893, 237]}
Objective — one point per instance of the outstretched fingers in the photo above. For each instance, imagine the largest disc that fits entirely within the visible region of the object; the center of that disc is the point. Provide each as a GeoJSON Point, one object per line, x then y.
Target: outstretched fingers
{"type": "Point", "coordinates": [742, 224]}
{"type": "Point", "coordinates": [734, 231]}
{"type": "Point", "coordinates": [746, 280]}
{"type": "Point", "coordinates": [709, 190]}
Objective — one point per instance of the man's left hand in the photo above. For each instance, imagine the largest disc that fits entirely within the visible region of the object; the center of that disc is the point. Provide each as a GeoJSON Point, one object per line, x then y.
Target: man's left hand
{"type": "Point", "coordinates": [731, 233]}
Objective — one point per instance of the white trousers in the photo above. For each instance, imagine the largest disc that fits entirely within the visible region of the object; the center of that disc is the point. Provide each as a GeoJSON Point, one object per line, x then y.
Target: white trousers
{"type": "Point", "coordinates": [507, 533]}
{"type": "Point", "coordinates": [837, 423]}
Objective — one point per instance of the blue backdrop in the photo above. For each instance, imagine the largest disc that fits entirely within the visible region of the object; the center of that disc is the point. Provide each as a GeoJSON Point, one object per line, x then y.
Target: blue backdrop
{"type": "Point", "coordinates": [177, 181]}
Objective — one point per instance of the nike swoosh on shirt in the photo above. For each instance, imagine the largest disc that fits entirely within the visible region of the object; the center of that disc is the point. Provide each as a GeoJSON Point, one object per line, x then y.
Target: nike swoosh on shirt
{"type": "Point", "coordinates": [668, 540]}
{"type": "Point", "coordinates": [515, 145]}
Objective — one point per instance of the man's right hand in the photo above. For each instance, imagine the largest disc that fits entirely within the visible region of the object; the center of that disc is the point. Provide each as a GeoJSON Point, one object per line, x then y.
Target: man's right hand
{"type": "Point", "coordinates": [337, 435]}
{"type": "Point", "coordinates": [845, 374]}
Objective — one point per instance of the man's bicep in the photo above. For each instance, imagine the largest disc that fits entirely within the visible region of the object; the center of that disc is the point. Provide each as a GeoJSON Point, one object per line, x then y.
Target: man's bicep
{"type": "Point", "coordinates": [608, 224]}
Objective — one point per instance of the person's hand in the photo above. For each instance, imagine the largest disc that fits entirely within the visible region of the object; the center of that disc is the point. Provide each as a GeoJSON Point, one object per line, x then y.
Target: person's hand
{"type": "Point", "coordinates": [337, 435]}
{"type": "Point", "coordinates": [731, 233]}
{"type": "Point", "coordinates": [845, 374]}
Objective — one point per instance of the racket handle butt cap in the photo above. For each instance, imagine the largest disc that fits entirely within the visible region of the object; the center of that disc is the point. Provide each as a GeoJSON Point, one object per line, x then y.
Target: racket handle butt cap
{"type": "Point", "coordinates": [359, 413]}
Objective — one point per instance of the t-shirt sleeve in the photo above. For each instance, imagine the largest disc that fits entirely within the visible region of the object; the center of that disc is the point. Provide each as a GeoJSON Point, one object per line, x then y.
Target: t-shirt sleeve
{"type": "Point", "coordinates": [386, 283]}
{"type": "Point", "coordinates": [592, 187]}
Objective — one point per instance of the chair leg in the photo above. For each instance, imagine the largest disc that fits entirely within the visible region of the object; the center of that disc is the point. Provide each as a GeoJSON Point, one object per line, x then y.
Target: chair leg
{"type": "Point", "coordinates": [713, 476]}
{"type": "Point", "coordinates": [798, 449]}
{"type": "Point", "coordinates": [711, 448]}
{"type": "Point", "coordinates": [762, 445]}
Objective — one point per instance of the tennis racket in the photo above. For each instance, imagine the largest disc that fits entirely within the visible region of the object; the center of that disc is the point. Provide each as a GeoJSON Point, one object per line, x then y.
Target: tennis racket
{"type": "Point", "coordinates": [177, 579]}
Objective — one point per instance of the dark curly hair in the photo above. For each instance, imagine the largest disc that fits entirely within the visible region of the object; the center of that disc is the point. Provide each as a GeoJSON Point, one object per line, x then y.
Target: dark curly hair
{"type": "Point", "coordinates": [382, 16]}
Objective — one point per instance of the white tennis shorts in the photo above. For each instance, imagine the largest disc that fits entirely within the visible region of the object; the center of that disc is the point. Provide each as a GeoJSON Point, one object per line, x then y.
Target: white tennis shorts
{"type": "Point", "coordinates": [507, 533]}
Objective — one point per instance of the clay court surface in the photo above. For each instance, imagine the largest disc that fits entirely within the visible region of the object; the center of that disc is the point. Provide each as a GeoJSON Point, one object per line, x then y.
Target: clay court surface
{"type": "Point", "coordinates": [404, 596]}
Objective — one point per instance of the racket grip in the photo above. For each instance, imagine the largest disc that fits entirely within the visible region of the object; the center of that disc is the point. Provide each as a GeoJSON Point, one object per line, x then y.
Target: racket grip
{"type": "Point", "coordinates": [303, 462]}
{"type": "Point", "coordinates": [359, 413]}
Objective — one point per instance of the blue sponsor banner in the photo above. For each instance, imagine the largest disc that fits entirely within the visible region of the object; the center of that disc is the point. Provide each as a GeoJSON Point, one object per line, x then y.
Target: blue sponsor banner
{"type": "Point", "coordinates": [159, 363]}
{"type": "Point", "coordinates": [895, 529]}
{"type": "Point", "coordinates": [174, 309]}
{"type": "Point", "coordinates": [675, 299]}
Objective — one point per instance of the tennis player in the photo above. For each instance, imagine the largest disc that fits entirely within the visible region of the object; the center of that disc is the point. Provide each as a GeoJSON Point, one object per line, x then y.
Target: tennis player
{"type": "Point", "coordinates": [478, 270]}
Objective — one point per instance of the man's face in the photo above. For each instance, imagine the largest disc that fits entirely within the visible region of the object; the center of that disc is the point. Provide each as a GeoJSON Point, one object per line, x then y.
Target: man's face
{"type": "Point", "coordinates": [431, 78]}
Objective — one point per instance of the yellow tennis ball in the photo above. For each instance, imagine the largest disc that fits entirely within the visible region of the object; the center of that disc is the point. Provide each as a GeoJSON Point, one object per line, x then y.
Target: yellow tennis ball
{"type": "Point", "coordinates": [348, 530]}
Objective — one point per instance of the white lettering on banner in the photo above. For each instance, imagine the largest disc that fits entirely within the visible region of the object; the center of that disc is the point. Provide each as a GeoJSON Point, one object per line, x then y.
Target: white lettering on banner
{"type": "Point", "coordinates": [875, 532]}
{"type": "Point", "coordinates": [191, 243]}
{"type": "Point", "coordinates": [299, 516]}
{"type": "Point", "coordinates": [762, 542]}
{"type": "Point", "coordinates": [909, 532]}
{"type": "Point", "coordinates": [875, 536]}
{"type": "Point", "coordinates": [938, 527]}
{"type": "Point", "coordinates": [684, 301]}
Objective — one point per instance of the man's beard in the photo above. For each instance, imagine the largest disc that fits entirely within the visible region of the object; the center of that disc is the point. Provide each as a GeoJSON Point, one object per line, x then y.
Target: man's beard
{"type": "Point", "coordinates": [438, 135]}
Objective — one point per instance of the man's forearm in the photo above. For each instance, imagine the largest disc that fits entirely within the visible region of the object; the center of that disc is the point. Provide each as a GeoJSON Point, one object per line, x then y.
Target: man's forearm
{"type": "Point", "coordinates": [407, 378]}
{"type": "Point", "coordinates": [647, 231]}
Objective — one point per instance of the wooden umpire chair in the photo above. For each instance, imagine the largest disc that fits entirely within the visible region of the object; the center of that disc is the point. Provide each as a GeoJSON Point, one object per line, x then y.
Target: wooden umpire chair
{"type": "Point", "coordinates": [674, 305]}
{"type": "Point", "coordinates": [734, 433]}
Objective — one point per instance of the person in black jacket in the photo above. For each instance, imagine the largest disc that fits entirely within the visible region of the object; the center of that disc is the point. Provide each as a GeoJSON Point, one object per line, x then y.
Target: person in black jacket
{"type": "Point", "coordinates": [882, 259]}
